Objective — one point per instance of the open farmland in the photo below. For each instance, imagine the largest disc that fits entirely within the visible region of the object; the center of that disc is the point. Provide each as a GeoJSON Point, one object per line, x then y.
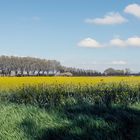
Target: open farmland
{"type": "Point", "coordinates": [69, 70]}
{"type": "Point", "coordinates": [64, 108]}
{"type": "Point", "coordinates": [14, 82]}
{"type": "Point", "coordinates": [51, 92]}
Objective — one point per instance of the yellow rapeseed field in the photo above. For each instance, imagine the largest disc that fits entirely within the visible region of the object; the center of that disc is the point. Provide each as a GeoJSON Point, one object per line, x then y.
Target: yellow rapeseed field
{"type": "Point", "coordinates": [13, 82]}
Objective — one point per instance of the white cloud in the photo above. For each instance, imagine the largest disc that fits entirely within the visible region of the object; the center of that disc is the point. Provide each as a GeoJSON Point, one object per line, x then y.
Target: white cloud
{"type": "Point", "coordinates": [121, 62]}
{"type": "Point", "coordinates": [118, 42]}
{"type": "Point", "coordinates": [133, 9]}
{"type": "Point", "coordinates": [111, 18]}
{"type": "Point", "coordinates": [89, 43]}
{"type": "Point", "coordinates": [132, 42]}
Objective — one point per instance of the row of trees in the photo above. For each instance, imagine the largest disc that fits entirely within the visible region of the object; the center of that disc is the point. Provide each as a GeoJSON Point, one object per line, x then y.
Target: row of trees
{"type": "Point", "coordinates": [80, 72]}
{"type": "Point", "coordinates": [29, 66]}
{"type": "Point", "coordinates": [107, 72]}
{"type": "Point", "coordinates": [111, 71]}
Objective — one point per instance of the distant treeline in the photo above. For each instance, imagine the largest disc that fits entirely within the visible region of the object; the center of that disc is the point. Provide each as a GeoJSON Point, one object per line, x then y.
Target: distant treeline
{"type": "Point", "coordinates": [29, 66]}
{"type": "Point", "coordinates": [20, 66]}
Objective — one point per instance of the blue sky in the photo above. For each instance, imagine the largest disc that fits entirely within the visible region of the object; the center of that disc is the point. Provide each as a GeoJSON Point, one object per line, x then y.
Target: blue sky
{"type": "Point", "coordinates": [89, 34]}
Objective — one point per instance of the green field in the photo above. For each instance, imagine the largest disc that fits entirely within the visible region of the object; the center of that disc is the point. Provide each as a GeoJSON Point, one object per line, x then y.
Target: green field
{"type": "Point", "coordinates": [20, 122]}
{"type": "Point", "coordinates": [101, 111]}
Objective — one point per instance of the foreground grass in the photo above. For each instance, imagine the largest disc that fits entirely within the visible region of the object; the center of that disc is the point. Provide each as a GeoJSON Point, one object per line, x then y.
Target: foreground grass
{"type": "Point", "coordinates": [26, 122]}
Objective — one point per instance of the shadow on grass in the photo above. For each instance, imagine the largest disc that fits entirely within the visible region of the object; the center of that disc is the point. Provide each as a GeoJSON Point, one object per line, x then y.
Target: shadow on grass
{"type": "Point", "coordinates": [29, 128]}
{"type": "Point", "coordinates": [88, 122]}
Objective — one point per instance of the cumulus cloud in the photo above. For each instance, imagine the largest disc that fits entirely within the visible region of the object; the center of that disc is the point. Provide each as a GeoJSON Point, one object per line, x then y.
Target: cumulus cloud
{"type": "Point", "coordinates": [110, 18]}
{"type": "Point", "coordinates": [89, 43]}
{"type": "Point", "coordinates": [133, 9]}
{"type": "Point", "coordinates": [132, 42]}
{"type": "Point", "coordinates": [120, 62]}
{"type": "Point", "coordinates": [118, 42]}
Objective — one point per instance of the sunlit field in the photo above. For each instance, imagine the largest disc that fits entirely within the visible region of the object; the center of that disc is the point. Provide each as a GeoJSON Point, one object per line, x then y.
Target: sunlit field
{"type": "Point", "coordinates": [65, 108]}
{"type": "Point", "coordinates": [14, 82]}
{"type": "Point", "coordinates": [58, 91]}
